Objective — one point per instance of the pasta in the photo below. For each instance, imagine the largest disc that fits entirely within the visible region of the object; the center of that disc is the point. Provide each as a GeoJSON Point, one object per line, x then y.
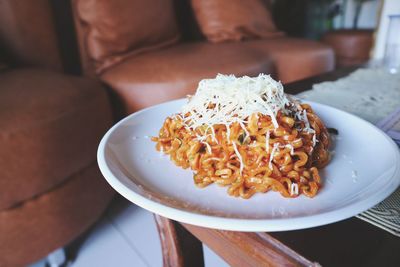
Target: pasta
{"type": "Point", "coordinates": [253, 152]}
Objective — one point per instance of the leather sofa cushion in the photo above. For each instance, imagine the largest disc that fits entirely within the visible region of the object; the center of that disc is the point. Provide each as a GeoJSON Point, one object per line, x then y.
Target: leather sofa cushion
{"type": "Point", "coordinates": [174, 72]}
{"type": "Point", "coordinates": [50, 128]}
{"type": "Point", "coordinates": [294, 58]}
{"type": "Point", "coordinates": [118, 28]}
{"type": "Point", "coordinates": [38, 226]}
{"type": "Point", "coordinates": [234, 20]}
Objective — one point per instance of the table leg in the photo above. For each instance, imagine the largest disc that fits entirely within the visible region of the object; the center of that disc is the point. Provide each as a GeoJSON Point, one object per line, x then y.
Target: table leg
{"type": "Point", "coordinates": [179, 247]}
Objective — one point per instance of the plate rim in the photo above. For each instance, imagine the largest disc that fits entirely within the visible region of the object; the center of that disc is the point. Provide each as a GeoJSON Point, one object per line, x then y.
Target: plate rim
{"type": "Point", "coordinates": [242, 224]}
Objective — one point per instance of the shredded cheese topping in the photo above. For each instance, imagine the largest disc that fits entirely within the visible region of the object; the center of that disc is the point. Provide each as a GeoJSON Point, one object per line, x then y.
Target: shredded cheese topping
{"type": "Point", "coordinates": [272, 155]}
{"type": "Point", "coordinates": [234, 100]}
{"type": "Point", "coordinates": [267, 136]}
{"type": "Point", "coordinates": [294, 189]}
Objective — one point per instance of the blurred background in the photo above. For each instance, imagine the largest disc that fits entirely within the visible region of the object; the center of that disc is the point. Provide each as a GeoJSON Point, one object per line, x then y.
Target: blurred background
{"type": "Point", "coordinates": [313, 18]}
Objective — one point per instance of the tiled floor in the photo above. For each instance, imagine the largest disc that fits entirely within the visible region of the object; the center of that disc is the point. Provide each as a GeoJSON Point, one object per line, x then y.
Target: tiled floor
{"type": "Point", "coordinates": [127, 236]}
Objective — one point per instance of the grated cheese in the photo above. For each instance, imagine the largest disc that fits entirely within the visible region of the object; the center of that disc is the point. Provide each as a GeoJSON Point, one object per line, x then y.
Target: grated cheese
{"type": "Point", "coordinates": [234, 100]}
{"type": "Point", "coordinates": [294, 189]}
{"type": "Point", "coordinates": [314, 139]}
{"type": "Point", "coordinates": [271, 156]}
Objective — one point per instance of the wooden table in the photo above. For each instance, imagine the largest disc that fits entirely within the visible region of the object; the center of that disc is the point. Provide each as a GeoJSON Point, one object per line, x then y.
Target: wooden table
{"type": "Point", "coordinates": [351, 242]}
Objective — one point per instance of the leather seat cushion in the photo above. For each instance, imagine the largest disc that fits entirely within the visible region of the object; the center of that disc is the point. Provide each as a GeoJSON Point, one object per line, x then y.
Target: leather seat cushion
{"type": "Point", "coordinates": [50, 126]}
{"type": "Point", "coordinates": [295, 58]}
{"type": "Point", "coordinates": [174, 72]}
{"type": "Point", "coordinates": [33, 229]}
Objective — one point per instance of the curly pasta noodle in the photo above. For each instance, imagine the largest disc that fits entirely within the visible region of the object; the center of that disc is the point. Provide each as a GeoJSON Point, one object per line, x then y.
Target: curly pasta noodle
{"type": "Point", "coordinates": [257, 158]}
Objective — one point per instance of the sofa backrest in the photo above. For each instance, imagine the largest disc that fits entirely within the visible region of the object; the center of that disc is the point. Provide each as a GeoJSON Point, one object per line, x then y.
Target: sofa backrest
{"type": "Point", "coordinates": [109, 31]}
{"type": "Point", "coordinates": [27, 34]}
{"type": "Point", "coordinates": [187, 23]}
{"type": "Point", "coordinates": [100, 47]}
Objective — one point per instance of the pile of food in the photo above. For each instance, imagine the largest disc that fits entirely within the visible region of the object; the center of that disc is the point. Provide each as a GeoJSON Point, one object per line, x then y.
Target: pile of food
{"type": "Point", "coordinates": [246, 134]}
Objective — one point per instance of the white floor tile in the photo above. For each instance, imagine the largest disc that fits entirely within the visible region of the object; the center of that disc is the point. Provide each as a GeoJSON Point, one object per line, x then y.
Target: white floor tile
{"type": "Point", "coordinates": [139, 229]}
{"type": "Point", "coordinates": [127, 236]}
{"type": "Point", "coordinates": [105, 247]}
{"type": "Point", "coordinates": [211, 259]}
{"type": "Point", "coordinates": [41, 263]}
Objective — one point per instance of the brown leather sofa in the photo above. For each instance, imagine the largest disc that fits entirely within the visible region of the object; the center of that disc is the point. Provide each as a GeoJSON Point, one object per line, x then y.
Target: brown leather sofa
{"type": "Point", "coordinates": [152, 51]}
{"type": "Point", "coordinates": [50, 124]}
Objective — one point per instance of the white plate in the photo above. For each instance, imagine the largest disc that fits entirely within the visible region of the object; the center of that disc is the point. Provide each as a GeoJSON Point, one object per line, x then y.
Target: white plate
{"type": "Point", "coordinates": [365, 169]}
